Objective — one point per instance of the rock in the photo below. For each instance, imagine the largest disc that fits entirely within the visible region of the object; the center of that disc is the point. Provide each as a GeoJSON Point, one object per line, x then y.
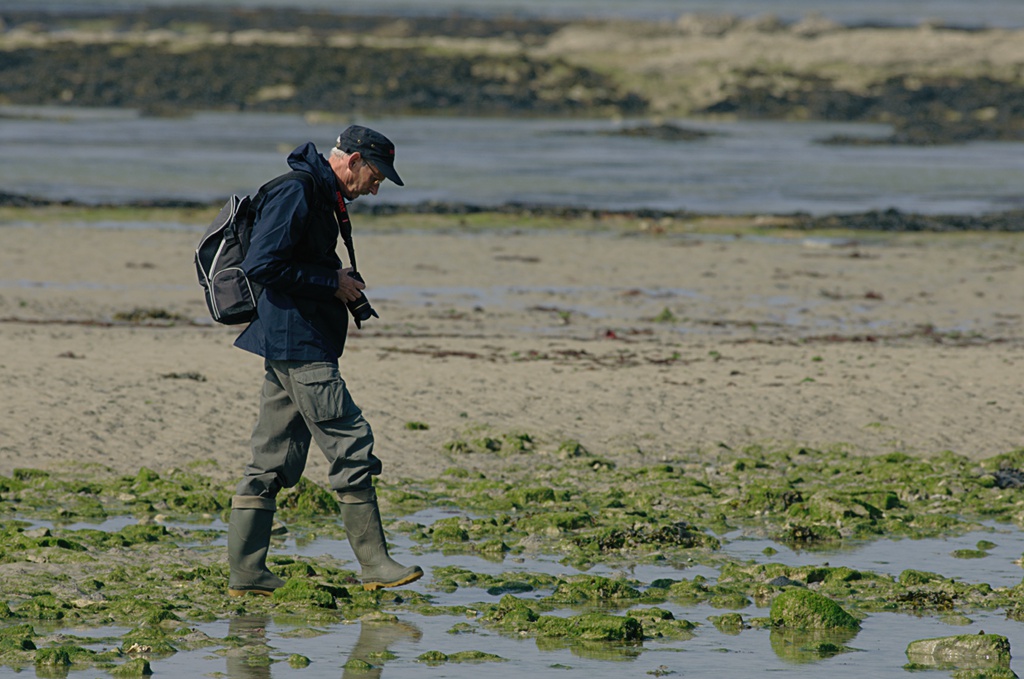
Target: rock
{"type": "Point", "coordinates": [1009, 478]}
{"type": "Point", "coordinates": [964, 651]}
{"type": "Point", "coordinates": [136, 667]}
{"type": "Point", "coordinates": [707, 24]}
{"type": "Point", "coordinates": [663, 131]}
{"type": "Point", "coordinates": [804, 609]}
{"type": "Point", "coordinates": [783, 581]}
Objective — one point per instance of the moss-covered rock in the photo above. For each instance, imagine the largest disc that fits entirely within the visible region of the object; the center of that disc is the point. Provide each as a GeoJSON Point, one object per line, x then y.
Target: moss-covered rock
{"type": "Point", "coordinates": [474, 657]}
{"type": "Point", "coordinates": [913, 578]}
{"type": "Point", "coordinates": [964, 651]}
{"type": "Point", "coordinates": [147, 641]}
{"type": "Point", "coordinates": [968, 554]}
{"type": "Point", "coordinates": [305, 591]}
{"type": "Point", "coordinates": [690, 591]}
{"type": "Point", "coordinates": [592, 627]}
{"type": "Point", "coordinates": [728, 623]}
{"type": "Point", "coordinates": [554, 523]}
{"type": "Point", "coordinates": [513, 615]}
{"type": "Point", "coordinates": [580, 588]}
{"type": "Point", "coordinates": [803, 609]}
{"type": "Point", "coordinates": [307, 500]}
{"type": "Point", "coordinates": [432, 658]}
{"type": "Point", "coordinates": [448, 530]}
{"type": "Point", "coordinates": [659, 623]}
{"type": "Point", "coordinates": [54, 656]}
{"type": "Point", "coordinates": [46, 607]}
{"type": "Point", "coordinates": [136, 667]}
{"type": "Point", "coordinates": [992, 673]}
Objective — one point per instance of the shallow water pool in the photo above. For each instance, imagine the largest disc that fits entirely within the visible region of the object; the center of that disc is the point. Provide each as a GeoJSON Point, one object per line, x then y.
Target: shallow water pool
{"type": "Point", "coordinates": [394, 648]}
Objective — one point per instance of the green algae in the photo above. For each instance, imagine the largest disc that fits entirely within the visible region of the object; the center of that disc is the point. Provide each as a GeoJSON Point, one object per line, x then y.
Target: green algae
{"type": "Point", "coordinates": [448, 530]}
{"type": "Point", "coordinates": [728, 623]}
{"type": "Point", "coordinates": [515, 616]}
{"type": "Point", "coordinates": [307, 499]}
{"type": "Point", "coordinates": [137, 667]}
{"type": "Point", "coordinates": [57, 656]}
{"type": "Point", "coordinates": [804, 498]}
{"type": "Point", "coordinates": [161, 577]}
{"type": "Point", "coordinates": [150, 641]}
{"type": "Point", "coordinates": [301, 590]}
{"type": "Point", "coordinates": [803, 609]}
{"type": "Point", "coordinates": [968, 554]}
{"type": "Point", "coordinates": [474, 657]}
{"type": "Point", "coordinates": [439, 658]}
{"type": "Point", "coordinates": [658, 623]}
{"type": "Point", "coordinates": [481, 440]}
{"type": "Point", "coordinates": [432, 658]}
{"type": "Point", "coordinates": [450, 578]}
{"type": "Point", "coordinates": [591, 627]}
{"type": "Point", "coordinates": [912, 591]}
{"type": "Point", "coordinates": [591, 588]}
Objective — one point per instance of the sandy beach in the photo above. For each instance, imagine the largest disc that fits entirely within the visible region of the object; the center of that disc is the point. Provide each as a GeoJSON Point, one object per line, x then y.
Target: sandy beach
{"type": "Point", "coordinates": [641, 343]}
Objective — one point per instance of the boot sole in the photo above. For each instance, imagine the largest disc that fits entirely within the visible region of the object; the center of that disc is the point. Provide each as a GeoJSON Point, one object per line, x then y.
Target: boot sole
{"type": "Point", "coordinates": [373, 586]}
{"type": "Point", "coordinates": [254, 592]}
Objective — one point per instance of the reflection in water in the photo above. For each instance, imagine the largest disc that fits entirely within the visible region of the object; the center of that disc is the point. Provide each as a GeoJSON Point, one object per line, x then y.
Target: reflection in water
{"type": "Point", "coordinates": [804, 646]}
{"type": "Point", "coordinates": [250, 658]}
{"type": "Point", "coordinates": [371, 649]}
{"type": "Point", "coordinates": [593, 650]}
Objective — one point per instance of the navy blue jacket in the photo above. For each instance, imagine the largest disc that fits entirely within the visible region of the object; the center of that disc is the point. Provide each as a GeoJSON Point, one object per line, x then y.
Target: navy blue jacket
{"type": "Point", "coordinates": [293, 254]}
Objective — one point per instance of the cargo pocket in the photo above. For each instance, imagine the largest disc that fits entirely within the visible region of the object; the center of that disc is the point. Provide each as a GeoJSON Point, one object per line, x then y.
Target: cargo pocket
{"type": "Point", "coordinates": [320, 392]}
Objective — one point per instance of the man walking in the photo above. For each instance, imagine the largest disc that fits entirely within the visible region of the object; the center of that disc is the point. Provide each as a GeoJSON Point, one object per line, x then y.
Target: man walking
{"type": "Point", "coordinates": [300, 329]}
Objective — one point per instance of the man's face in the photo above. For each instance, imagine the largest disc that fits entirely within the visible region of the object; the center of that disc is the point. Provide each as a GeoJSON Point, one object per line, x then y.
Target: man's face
{"type": "Point", "coordinates": [362, 178]}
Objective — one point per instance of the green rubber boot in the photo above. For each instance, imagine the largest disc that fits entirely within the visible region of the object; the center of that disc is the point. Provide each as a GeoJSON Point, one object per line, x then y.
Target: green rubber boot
{"type": "Point", "coordinates": [252, 519]}
{"type": "Point", "coordinates": [365, 533]}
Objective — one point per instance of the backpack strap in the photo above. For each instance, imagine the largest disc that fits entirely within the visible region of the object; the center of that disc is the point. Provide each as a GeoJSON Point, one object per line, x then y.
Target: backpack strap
{"type": "Point", "coordinates": [307, 186]}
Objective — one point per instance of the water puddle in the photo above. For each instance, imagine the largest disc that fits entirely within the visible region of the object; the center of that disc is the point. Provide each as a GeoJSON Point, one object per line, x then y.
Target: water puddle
{"type": "Point", "coordinates": [265, 647]}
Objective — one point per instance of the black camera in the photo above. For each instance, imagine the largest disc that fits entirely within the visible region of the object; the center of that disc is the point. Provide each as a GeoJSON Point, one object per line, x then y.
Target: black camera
{"type": "Point", "coordinates": [360, 308]}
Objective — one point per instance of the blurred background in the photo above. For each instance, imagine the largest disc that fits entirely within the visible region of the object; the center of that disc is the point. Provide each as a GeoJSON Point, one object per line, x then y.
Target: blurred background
{"type": "Point", "coordinates": [734, 107]}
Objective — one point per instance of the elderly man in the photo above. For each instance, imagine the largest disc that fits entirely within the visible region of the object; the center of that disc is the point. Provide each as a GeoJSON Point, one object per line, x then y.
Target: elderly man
{"type": "Point", "coordinates": [300, 331]}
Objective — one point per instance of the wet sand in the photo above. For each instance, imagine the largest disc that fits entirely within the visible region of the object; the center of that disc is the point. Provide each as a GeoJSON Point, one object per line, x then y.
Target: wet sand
{"type": "Point", "coordinates": [640, 345]}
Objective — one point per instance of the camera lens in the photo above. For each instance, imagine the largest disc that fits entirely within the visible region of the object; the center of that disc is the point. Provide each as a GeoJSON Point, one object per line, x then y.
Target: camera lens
{"type": "Point", "coordinates": [360, 308]}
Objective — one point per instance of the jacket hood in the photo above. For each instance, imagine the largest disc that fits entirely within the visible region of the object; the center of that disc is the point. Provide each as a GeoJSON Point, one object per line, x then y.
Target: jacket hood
{"type": "Point", "coordinates": [307, 159]}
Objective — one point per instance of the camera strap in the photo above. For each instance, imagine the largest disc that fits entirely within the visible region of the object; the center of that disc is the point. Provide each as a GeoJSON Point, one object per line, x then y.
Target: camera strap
{"type": "Point", "coordinates": [345, 227]}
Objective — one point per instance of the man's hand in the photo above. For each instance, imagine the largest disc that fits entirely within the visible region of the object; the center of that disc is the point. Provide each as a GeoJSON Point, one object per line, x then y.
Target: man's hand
{"type": "Point", "coordinates": [348, 287]}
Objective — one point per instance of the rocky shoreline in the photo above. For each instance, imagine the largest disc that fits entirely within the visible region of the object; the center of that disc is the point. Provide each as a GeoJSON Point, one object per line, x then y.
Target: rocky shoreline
{"type": "Point", "coordinates": [933, 85]}
{"type": "Point", "coordinates": [892, 221]}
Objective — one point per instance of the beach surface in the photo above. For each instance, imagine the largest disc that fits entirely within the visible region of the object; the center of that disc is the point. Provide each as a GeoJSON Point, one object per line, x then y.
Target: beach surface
{"type": "Point", "coordinates": [641, 342]}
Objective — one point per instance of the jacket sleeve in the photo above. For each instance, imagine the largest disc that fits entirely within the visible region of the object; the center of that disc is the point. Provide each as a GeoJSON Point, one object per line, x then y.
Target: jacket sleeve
{"type": "Point", "coordinates": [280, 224]}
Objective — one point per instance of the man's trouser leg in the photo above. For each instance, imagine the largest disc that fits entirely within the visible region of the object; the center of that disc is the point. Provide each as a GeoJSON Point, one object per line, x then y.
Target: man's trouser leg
{"type": "Point", "coordinates": [343, 434]}
{"type": "Point", "coordinates": [280, 444]}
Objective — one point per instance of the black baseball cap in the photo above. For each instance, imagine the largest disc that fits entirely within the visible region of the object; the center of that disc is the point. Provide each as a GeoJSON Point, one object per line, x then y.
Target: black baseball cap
{"type": "Point", "coordinates": [373, 146]}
